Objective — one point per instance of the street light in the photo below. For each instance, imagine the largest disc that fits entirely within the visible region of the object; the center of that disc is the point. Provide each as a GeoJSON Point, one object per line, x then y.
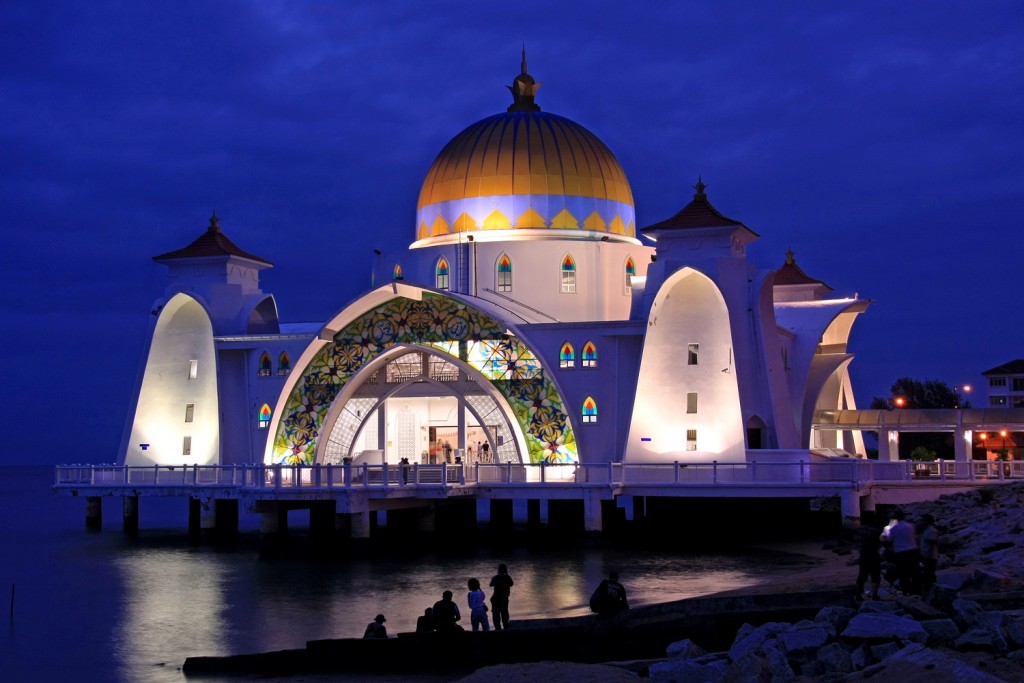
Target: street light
{"type": "Point", "coordinates": [966, 389]}
{"type": "Point", "coordinates": [900, 401]}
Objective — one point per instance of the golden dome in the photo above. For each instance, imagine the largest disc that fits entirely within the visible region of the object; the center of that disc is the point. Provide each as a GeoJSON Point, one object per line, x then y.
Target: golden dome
{"type": "Point", "coordinates": [525, 169]}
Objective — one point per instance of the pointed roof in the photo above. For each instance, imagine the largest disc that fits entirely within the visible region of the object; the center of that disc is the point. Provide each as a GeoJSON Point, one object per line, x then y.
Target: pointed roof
{"type": "Point", "coordinates": [1013, 367]}
{"type": "Point", "coordinates": [792, 274]}
{"type": "Point", "coordinates": [211, 243]}
{"type": "Point", "coordinates": [699, 213]}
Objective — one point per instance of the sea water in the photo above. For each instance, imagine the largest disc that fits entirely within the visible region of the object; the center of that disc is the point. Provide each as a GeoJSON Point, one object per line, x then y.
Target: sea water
{"type": "Point", "coordinates": [107, 606]}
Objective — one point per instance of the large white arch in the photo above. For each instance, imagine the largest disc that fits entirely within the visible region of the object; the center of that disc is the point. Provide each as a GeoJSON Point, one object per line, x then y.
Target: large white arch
{"type": "Point", "coordinates": [688, 309]}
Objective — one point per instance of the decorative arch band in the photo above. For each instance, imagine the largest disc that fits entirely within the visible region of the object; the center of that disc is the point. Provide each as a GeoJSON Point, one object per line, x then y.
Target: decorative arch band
{"type": "Point", "coordinates": [440, 324]}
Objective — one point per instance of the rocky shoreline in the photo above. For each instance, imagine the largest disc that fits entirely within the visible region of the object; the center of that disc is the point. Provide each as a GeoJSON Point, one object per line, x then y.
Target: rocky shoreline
{"type": "Point", "coordinates": [970, 627]}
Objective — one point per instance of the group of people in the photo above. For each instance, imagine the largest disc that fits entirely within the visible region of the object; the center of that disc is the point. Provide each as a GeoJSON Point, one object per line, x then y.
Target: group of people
{"type": "Point", "coordinates": [912, 554]}
{"type": "Point", "coordinates": [445, 615]}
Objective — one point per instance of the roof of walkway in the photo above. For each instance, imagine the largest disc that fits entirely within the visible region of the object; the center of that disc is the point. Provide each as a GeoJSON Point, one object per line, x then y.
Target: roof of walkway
{"type": "Point", "coordinates": [920, 420]}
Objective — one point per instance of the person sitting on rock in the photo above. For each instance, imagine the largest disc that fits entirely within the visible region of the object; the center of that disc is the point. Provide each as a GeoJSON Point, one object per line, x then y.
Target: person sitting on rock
{"type": "Point", "coordinates": [376, 629]}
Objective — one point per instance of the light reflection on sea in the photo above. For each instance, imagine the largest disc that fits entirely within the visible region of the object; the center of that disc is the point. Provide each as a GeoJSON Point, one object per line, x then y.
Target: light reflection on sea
{"type": "Point", "coordinates": [107, 607]}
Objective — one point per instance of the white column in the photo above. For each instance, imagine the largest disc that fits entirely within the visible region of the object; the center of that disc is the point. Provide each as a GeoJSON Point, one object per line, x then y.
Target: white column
{"type": "Point", "coordinates": [888, 445]}
{"type": "Point", "coordinates": [962, 440]}
{"type": "Point", "coordinates": [592, 520]}
{"type": "Point", "coordinates": [849, 502]}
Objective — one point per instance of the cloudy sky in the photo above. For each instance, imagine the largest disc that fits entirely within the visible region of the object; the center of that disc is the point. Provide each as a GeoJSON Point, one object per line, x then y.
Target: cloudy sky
{"type": "Point", "coordinates": [882, 141]}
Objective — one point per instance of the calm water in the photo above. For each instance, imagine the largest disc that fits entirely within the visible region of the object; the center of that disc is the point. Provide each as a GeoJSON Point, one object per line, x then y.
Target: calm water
{"type": "Point", "coordinates": [106, 607]}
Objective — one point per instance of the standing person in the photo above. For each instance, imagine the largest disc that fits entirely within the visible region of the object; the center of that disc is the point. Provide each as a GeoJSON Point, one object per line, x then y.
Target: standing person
{"type": "Point", "coordinates": [485, 452]}
{"type": "Point", "coordinates": [610, 597]}
{"type": "Point", "coordinates": [929, 549]}
{"type": "Point", "coordinates": [869, 562]}
{"type": "Point", "coordinates": [376, 629]}
{"type": "Point", "coordinates": [502, 584]}
{"type": "Point", "coordinates": [900, 533]}
{"type": "Point", "coordinates": [477, 606]}
{"type": "Point", "coordinates": [446, 614]}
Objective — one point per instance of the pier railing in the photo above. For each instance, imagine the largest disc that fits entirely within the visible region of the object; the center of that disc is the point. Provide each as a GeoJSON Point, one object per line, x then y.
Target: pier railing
{"type": "Point", "coordinates": [383, 476]}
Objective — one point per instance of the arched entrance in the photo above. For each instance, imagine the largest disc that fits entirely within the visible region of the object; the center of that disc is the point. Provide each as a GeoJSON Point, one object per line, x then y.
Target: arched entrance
{"type": "Point", "coordinates": [420, 404]}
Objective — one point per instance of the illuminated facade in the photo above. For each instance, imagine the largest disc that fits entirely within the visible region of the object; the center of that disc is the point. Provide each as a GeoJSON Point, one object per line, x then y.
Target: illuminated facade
{"type": "Point", "coordinates": [527, 322]}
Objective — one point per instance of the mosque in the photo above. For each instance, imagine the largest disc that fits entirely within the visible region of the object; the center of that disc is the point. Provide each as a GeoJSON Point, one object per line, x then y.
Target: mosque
{"type": "Point", "coordinates": [529, 321]}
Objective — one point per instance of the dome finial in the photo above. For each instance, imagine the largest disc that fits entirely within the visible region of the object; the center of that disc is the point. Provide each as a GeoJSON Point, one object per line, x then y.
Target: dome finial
{"type": "Point", "coordinates": [524, 89]}
{"type": "Point", "coordinates": [214, 223]}
{"type": "Point", "coordinates": [790, 257]}
{"type": "Point", "coordinates": [700, 186]}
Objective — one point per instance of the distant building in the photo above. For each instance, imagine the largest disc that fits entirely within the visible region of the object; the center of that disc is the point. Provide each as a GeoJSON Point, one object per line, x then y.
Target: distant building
{"type": "Point", "coordinates": [1006, 385]}
{"type": "Point", "coordinates": [529, 321]}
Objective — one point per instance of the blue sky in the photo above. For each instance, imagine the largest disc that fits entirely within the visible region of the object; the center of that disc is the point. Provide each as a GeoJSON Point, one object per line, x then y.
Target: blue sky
{"type": "Point", "coordinates": [883, 142]}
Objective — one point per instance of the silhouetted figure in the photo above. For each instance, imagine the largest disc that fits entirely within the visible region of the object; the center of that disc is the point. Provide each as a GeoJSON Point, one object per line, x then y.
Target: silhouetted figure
{"type": "Point", "coordinates": [477, 606]}
{"type": "Point", "coordinates": [610, 597]}
{"type": "Point", "coordinates": [502, 584]}
{"type": "Point", "coordinates": [485, 453]}
{"type": "Point", "coordinates": [900, 533]}
{"type": "Point", "coordinates": [929, 551]}
{"type": "Point", "coordinates": [425, 624]}
{"type": "Point", "coordinates": [869, 561]}
{"type": "Point", "coordinates": [375, 629]}
{"type": "Point", "coordinates": [446, 614]}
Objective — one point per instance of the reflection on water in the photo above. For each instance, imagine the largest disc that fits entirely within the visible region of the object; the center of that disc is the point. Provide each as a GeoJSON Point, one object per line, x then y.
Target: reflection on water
{"type": "Point", "coordinates": [107, 607]}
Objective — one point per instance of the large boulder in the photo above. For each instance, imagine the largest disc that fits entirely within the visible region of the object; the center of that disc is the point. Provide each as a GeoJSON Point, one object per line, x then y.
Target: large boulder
{"type": "Point", "coordinates": [884, 627]}
{"type": "Point", "coordinates": [941, 631]}
{"type": "Point", "coordinates": [803, 641]}
{"type": "Point", "coordinates": [687, 671]}
{"type": "Point", "coordinates": [834, 658]}
{"type": "Point", "coordinates": [748, 641]}
{"type": "Point", "coordinates": [685, 649]}
{"type": "Point", "coordinates": [834, 619]}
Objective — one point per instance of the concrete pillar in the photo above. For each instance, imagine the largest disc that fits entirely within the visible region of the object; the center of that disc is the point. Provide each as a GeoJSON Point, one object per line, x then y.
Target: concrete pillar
{"type": "Point", "coordinates": [962, 441]}
{"type": "Point", "coordinates": [194, 506]}
{"type": "Point", "coordinates": [343, 525]}
{"type": "Point", "coordinates": [626, 503]}
{"type": "Point", "coordinates": [360, 524]}
{"type": "Point", "coordinates": [462, 427]}
{"type": "Point", "coordinates": [592, 519]}
{"type": "Point", "coordinates": [888, 445]}
{"type": "Point", "coordinates": [321, 520]}
{"type": "Point", "coordinates": [428, 518]}
{"type": "Point", "coordinates": [483, 512]}
{"type": "Point", "coordinates": [208, 514]}
{"type": "Point", "coordinates": [130, 507]}
{"type": "Point", "coordinates": [273, 527]}
{"type": "Point", "coordinates": [382, 427]}
{"type": "Point", "coordinates": [849, 504]}
{"type": "Point", "coordinates": [93, 513]}
{"type": "Point", "coordinates": [520, 511]}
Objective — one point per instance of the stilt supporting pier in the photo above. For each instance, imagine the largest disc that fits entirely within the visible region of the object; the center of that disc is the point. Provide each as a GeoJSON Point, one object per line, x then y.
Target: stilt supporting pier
{"type": "Point", "coordinates": [94, 513]}
{"type": "Point", "coordinates": [360, 522]}
{"type": "Point", "coordinates": [428, 519]}
{"type": "Point", "coordinates": [849, 503]}
{"type": "Point", "coordinates": [131, 514]}
{"type": "Point", "coordinates": [592, 519]}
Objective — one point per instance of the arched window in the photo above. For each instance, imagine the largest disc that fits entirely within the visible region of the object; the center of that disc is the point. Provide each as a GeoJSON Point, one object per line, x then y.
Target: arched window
{"type": "Point", "coordinates": [567, 356]}
{"type": "Point", "coordinates": [589, 355]}
{"type": "Point", "coordinates": [504, 279]}
{"type": "Point", "coordinates": [264, 416]}
{"type": "Point", "coordinates": [398, 271]}
{"type": "Point", "coordinates": [630, 272]}
{"type": "Point", "coordinates": [589, 411]}
{"type": "Point", "coordinates": [441, 281]}
{"type": "Point", "coordinates": [568, 275]}
{"type": "Point", "coordinates": [284, 364]}
{"type": "Point", "coordinates": [265, 365]}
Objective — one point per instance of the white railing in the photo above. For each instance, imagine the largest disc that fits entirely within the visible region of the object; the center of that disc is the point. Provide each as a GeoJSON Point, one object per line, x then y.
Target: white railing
{"type": "Point", "coordinates": [386, 476]}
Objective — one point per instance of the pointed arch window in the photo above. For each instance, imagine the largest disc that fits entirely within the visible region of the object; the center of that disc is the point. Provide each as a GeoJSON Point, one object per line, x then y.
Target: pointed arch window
{"type": "Point", "coordinates": [504, 275]}
{"type": "Point", "coordinates": [630, 272]}
{"type": "Point", "coordinates": [589, 412]}
{"type": "Point", "coordinates": [441, 279]}
{"type": "Point", "coordinates": [567, 356]}
{"type": "Point", "coordinates": [265, 366]}
{"type": "Point", "coordinates": [568, 275]}
{"type": "Point", "coordinates": [264, 416]}
{"type": "Point", "coordinates": [284, 364]}
{"type": "Point", "coordinates": [589, 355]}
{"type": "Point", "coordinates": [397, 273]}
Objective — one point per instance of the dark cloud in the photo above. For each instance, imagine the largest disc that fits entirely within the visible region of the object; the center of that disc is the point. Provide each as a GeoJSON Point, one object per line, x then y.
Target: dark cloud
{"type": "Point", "coordinates": [882, 142]}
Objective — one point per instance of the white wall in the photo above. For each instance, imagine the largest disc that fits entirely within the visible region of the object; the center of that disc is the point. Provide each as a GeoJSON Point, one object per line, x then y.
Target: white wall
{"type": "Point", "coordinates": [688, 309]}
{"type": "Point", "coordinates": [183, 332]}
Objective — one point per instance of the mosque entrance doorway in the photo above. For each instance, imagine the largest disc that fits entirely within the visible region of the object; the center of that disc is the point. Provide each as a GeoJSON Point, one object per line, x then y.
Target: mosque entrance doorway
{"type": "Point", "coordinates": [416, 405]}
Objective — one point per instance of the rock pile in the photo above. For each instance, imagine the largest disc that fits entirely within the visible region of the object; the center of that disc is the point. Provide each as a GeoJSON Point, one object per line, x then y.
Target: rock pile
{"type": "Point", "coordinates": [909, 638]}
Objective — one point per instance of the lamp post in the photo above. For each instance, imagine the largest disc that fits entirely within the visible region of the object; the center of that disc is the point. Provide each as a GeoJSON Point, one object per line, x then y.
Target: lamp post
{"type": "Point", "coordinates": [956, 397]}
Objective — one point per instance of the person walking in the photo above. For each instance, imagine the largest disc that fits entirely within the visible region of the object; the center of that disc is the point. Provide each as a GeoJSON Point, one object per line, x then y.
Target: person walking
{"type": "Point", "coordinates": [900, 533]}
{"type": "Point", "coordinates": [869, 560]}
{"type": "Point", "coordinates": [376, 629]}
{"type": "Point", "coordinates": [929, 550]}
{"type": "Point", "coordinates": [477, 606]}
{"type": "Point", "coordinates": [610, 597]}
{"type": "Point", "coordinates": [502, 584]}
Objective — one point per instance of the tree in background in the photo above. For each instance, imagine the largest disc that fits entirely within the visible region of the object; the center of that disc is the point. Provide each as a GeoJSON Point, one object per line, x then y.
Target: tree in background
{"type": "Point", "coordinates": [928, 395]}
